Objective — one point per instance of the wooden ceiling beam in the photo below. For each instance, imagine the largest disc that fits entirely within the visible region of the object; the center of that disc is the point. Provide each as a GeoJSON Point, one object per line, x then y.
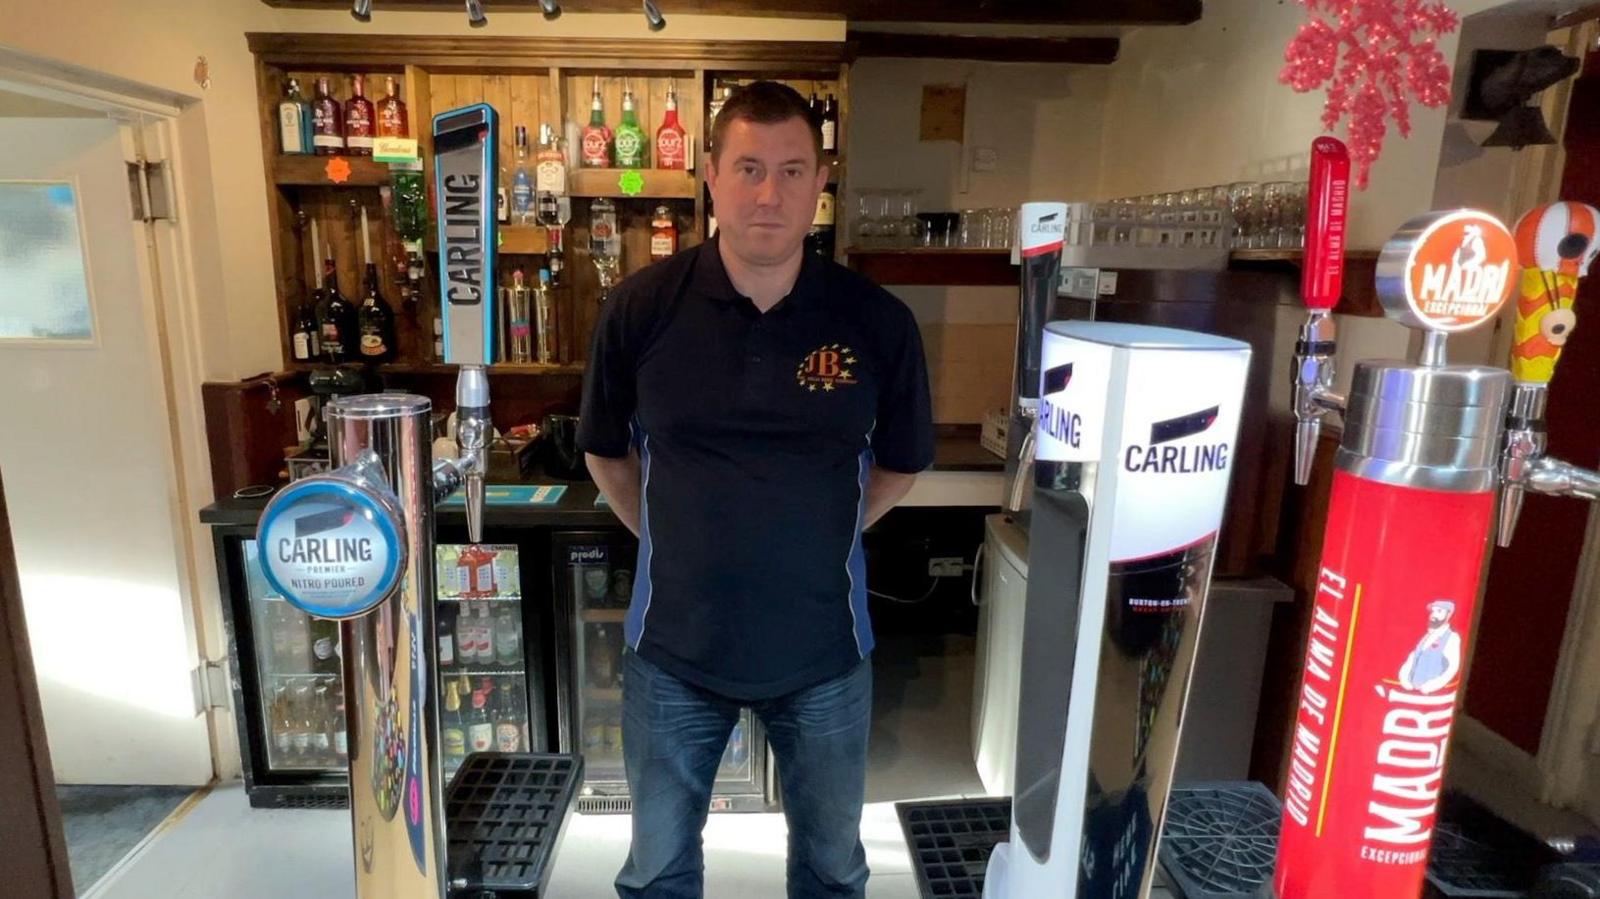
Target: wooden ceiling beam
{"type": "Point", "coordinates": [1094, 51]}
{"type": "Point", "coordinates": [1013, 12]}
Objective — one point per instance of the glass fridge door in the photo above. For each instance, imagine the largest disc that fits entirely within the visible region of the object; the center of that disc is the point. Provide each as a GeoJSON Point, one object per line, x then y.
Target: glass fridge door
{"type": "Point", "coordinates": [595, 574]}
{"type": "Point", "coordinates": [484, 682]}
{"type": "Point", "coordinates": [298, 660]}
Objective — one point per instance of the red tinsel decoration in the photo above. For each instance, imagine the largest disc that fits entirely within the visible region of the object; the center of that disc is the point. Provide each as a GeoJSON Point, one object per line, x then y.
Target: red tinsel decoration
{"type": "Point", "coordinates": [1373, 55]}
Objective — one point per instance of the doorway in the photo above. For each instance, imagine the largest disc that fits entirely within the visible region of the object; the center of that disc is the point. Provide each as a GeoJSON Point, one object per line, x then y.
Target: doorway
{"type": "Point", "coordinates": [88, 456]}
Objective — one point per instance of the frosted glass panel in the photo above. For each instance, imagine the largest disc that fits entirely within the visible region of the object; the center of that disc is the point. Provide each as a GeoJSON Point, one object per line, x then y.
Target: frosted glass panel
{"type": "Point", "coordinates": [44, 290]}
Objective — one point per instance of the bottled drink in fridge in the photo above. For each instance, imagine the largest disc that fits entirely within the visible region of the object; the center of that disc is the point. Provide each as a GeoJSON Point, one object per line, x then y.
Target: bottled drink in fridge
{"type": "Point", "coordinates": [508, 722]}
{"type": "Point", "coordinates": [321, 718]}
{"type": "Point", "coordinates": [507, 636]}
{"type": "Point", "coordinates": [447, 636]}
{"type": "Point", "coordinates": [324, 646]}
{"type": "Point", "coordinates": [631, 149]}
{"type": "Point", "coordinates": [466, 645]}
{"type": "Point", "coordinates": [453, 729]}
{"type": "Point", "coordinates": [483, 645]}
{"type": "Point", "coordinates": [294, 121]}
{"type": "Point", "coordinates": [480, 730]}
{"type": "Point", "coordinates": [358, 119]}
{"type": "Point", "coordinates": [393, 120]}
{"type": "Point", "coordinates": [280, 720]}
{"type": "Point", "coordinates": [303, 726]}
{"type": "Point", "coordinates": [341, 731]}
{"type": "Point", "coordinates": [327, 122]}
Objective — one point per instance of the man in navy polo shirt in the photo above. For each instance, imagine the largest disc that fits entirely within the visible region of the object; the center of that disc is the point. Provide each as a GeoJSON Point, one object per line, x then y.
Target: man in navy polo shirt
{"type": "Point", "coordinates": [749, 408]}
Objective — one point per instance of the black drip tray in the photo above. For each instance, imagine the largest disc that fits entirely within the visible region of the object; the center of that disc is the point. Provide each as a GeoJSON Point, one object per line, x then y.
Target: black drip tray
{"type": "Point", "coordinates": [504, 814]}
{"type": "Point", "coordinates": [1220, 839]}
{"type": "Point", "coordinates": [950, 843]}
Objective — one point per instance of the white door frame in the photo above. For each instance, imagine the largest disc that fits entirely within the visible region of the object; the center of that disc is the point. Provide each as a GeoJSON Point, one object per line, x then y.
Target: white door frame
{"type": "Point", "coordinates": [153, 132]}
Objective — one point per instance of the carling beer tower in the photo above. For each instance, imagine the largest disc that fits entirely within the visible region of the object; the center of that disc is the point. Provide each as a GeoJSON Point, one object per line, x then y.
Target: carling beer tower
{"type": "Point", "coordinates": [1426, 445]}
{"type": "Point", "coordinates": [357, 543]}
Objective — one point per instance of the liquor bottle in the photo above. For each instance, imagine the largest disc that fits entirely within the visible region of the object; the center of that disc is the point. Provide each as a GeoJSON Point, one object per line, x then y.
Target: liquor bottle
{"type": "Point", "coordinates": [521, 301]}
{"type": "Point", "coordinates": [282, 724]}
{"type": "Point", "coordinates": [719, 98]}
{"type": "Point", "coordinates": [322, 726]}
{"type": "Point", "coordinates": [830, 126]}
{"type": "Point", "coordinates": [596, 140]}
{"type": "Point", "coordinates": [556, 256]}
{"type": "Point", "coordinates": [452, 728]}
{"type": "Point", "coordinates": [480, 729]}
{"type": "Point", "coordinates": [307, 342]}
{"type": "Point", "coordinates": [294, 121]}
{"type": "Point", "coordinates": [507, 636]}
{"type": "Point", "coordinates": [508, 721]}
{"type": "Point", "coordinates": [663, 234]}
{"type": "Point", "coordinates": [447, 636]}
{"type": "Point", "coordinates": [820, 239]}
{"type": "Point", "coordinates": [522, 182]}
{"type": "Point", "coordinates": [337, 317]}
{"type": "Point", "coordinates": [324, 646]}
{"type": "Point", "coordinates": [327, 122]}
{"type": "Point", "coordinates": [392, 118]}
{"type": "Point", "coordinates": [815, 106]}
{"type": "Point", "coordinates": [358, 119]}
{"type": "Point", "coordinates": [375, 322]}
{"type": "Point", "coordinates": [544, 315]}
{"type": "Point", "coordinates": [550, 164]}
{"type": "Point", "coordinates": [631, 147]}
{"type": "Point", "coordinates": [604, 240]}
{"type": "Point", "coordinates": [672, 146]}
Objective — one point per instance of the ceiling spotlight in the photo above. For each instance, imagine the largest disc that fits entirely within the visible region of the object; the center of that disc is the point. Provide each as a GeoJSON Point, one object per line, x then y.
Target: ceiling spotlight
{"type": "Point", "coordinates": [362, 10]}
{"type": "Point", "coordinates": [552, 9]}
{"type": "Point", "coordinates": [652, 14]}
{"type": "Point", "coordinates": [475, 16]}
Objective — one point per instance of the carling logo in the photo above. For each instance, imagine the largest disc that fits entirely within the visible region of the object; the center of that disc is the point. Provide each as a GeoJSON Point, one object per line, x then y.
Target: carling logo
{"type": "Point", "coordinates": [1161, 456]}
{"type": "Point", "coordinates": [1056, 420]}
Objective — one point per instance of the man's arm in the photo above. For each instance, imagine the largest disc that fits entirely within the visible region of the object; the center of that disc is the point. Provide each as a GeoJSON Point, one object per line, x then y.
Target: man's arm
{"type": "Point", "coordinates": [884, 489]}
{"type": "Point", "coordinates": [618, 479]}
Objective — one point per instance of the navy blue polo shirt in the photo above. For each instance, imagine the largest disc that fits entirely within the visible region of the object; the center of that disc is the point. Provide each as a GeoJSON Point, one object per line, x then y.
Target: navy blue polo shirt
{"type": "Point", "coordinates": [755, 434]}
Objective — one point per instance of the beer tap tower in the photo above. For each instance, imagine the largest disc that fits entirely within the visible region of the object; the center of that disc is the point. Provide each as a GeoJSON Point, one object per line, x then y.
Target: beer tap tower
{"type": "Point", "coordinates": [1425, 447]}
{"type": "Point", "coordinates": [1128, 437]}
{"type": "Point", "coordinates": [357, 544]}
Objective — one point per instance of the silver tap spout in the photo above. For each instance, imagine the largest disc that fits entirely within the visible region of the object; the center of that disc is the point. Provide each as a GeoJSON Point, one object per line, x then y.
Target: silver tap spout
{"type": "Point", "coordinates": [1524, 444]}
{"type": "Point", "coordinates": [1025, 457]}
{"type": "Point", "coordinates": [1553, 477]}
{"type": "Point", "coordinates": [1313, 389]}
{"type": "Point", "coordinates": [472, 440]}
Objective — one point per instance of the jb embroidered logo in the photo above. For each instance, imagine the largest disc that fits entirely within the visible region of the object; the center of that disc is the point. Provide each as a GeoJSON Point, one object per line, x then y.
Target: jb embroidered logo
{"type": "Point", "coordinates": [827, 368]}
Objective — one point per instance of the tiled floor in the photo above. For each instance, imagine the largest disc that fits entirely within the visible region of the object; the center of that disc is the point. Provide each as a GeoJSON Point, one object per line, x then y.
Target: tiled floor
{"type": "Point", "coordinates": [920, 749]}
{"type": "Point", "coordinates": [103, 823]}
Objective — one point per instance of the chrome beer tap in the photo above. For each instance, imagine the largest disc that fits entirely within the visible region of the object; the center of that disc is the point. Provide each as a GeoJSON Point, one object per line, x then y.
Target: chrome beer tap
{"type": "Point", "coordinates": [1321, 280]}
{"type": "Point", "coordinates": [1555, 243]}
{"type": "Point", "coordinates": [466, 169]}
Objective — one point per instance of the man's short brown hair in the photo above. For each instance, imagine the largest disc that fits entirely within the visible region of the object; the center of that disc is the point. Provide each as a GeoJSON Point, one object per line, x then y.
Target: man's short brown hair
{"type": "Point", "coordinates": [765, 103]}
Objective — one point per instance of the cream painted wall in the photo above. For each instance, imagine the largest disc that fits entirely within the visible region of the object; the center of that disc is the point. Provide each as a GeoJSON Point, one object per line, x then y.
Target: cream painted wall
{"type": "Point", "coordinates": [158, 41]}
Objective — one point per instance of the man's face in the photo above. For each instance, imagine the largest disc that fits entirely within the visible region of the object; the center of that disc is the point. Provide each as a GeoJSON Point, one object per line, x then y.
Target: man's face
{"type": "Point", "coordinates": [1437, 616]}
{"type": "Point", "coordinates": [764, 186]}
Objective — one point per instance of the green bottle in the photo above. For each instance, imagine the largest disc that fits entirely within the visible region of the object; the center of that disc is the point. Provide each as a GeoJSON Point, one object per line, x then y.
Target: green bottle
{"type": "Point", "coordinates": [631, 145]}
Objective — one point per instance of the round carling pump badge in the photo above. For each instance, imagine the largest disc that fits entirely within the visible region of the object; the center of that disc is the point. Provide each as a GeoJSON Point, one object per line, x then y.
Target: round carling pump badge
{"type": "Point", "coordinates": [331, 548]}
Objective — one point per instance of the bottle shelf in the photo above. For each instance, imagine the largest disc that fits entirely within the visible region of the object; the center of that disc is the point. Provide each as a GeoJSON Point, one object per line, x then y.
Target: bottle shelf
{"type": "Point", "coordinates": [515, 240]}
{"type": "Point", "coordinates": [443, 598]}
{"type": "Point", "coordinates": [457, 671]}
{"type": "Point", "coordinates": [604, 616]}
{"type": "Point", "coordinates": [292, 675]}
{"type": "Point", "coordinates": [603, 694]}
{"type": "Point", "coordinates": [659, 184]}
{"type": "Point", "coordinates": [320, 171]}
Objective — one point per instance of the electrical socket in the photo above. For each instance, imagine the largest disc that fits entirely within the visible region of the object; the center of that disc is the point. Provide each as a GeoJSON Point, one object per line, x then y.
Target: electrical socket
{"type": "Point", "coordinates": [946, 566]}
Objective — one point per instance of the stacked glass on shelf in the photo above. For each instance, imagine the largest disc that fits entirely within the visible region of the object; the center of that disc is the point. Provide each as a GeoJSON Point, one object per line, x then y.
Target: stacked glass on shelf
{"type": "Point", "coordinates": [1268, 215]}
{"type": "Point", "coordinates": [1184, 219]}
{"type": "Point", "coordinates": [888, 219]}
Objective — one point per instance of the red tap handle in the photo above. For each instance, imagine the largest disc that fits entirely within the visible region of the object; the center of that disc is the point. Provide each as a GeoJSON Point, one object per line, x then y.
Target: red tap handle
{"type": "Point", "coordinates": [1327, 200]}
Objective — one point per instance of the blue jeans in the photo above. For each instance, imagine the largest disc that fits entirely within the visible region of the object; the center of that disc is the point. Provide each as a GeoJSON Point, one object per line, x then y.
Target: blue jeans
{"type": "Point", "coordinates": [673, 736]}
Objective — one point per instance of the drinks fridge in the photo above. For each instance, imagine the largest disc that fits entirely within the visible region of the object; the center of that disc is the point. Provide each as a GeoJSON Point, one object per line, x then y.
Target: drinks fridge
{"type": "Point", "coordinates": [594, 576]}
{"type": "Point", "coordinates": [288, 684]}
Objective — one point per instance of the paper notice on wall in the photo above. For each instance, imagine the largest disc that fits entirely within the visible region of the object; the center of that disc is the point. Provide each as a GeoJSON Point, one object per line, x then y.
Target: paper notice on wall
{"type": "Point", "coordinates": [944, 112]}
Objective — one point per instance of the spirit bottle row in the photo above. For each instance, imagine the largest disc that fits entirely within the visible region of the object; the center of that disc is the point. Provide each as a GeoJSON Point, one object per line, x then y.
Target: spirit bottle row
{"type": "Point", "coordinates": [326, 127]}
